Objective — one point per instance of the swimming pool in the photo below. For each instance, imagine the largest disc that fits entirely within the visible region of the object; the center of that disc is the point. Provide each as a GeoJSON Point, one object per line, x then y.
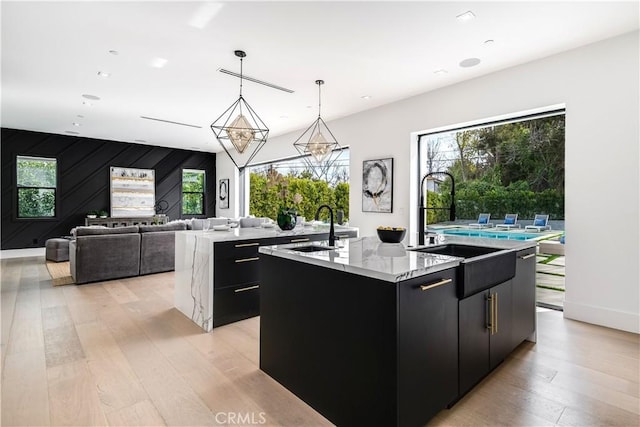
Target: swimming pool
{"type": "Point", "coordinates": [507, 235]}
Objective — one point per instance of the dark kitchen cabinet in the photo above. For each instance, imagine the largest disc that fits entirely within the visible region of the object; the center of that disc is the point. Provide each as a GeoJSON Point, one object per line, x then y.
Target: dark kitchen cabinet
{"type": "Point", "coordinates": [523, 301]}
{"type": "Point", "coordinates": [484, 332]}
{"type": "Point", "coordinates": [427, 346]}
{"type": "Point", "coordinates": [236, 274]}
{"type": "Point", "coordinates": [359, 350]}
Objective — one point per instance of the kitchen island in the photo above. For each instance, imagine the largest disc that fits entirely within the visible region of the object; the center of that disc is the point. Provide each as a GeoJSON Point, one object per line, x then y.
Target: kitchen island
{"type": "Point", "coordinates": [216, 272]}
{"type": "Point", "coordinates": [370, 333]}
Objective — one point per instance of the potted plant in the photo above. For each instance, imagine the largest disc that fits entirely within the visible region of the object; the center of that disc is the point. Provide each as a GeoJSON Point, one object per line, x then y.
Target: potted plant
{"type": "Point", "coordinates": [103, 214]}
{"type": "Point", "coordinates": [92, 214]}
{"type": "Point", "coordinates": [287, 215]}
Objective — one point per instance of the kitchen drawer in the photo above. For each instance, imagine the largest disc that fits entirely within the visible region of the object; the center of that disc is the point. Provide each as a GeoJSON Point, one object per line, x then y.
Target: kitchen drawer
{"type": "Point", "coordinates": [235, 303]}
{"type": "Point", "coordinates": [236, 271]}
{"type": "Point", "coordinates": [237, 249]}
{"type": "Point", "coordinates": [346, 234]}
{"type": "Point", "coordinates": [297, 239]}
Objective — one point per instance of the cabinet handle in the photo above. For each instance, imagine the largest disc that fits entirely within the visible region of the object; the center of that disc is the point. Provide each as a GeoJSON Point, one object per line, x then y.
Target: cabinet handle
{"type": "Point", "coordinates": [527, 256]}
{"type": "Point", "coordinates": [247, 259]}
{"type": "Point", "coordinates": [490, 314]}
{"type": "Point", "coordinates": [244, 245]}
{"type": "Point", "coordinates": [435, 285]}
{"type": "Point", "coordinates": [248, 288]}
{"type": "Point", "coordinates": [299, 240]}
{"type": "Point", "coordinates": [495, 313]}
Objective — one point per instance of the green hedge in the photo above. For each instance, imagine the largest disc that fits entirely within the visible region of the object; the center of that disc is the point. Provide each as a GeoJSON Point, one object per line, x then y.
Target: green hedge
{"type": "Point", "coordinates": [270, 193]}
{"type": "Point", "coordinates": [475, 197]}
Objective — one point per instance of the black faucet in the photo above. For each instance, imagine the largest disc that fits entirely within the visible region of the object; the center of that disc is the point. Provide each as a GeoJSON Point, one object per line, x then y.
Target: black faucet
{"type": "Point", "coordinates": [423, 209]}
{"type": "Point", "coordinates": [332, 234]}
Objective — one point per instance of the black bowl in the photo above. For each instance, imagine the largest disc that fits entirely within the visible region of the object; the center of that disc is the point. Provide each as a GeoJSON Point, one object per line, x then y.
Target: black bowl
{"type": "Point", "coordinates": [391, 236]}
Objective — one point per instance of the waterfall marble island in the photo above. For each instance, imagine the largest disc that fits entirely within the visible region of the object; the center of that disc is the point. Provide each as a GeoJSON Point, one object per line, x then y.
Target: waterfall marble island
{"type": "Point", "coordinates": [217, 275]}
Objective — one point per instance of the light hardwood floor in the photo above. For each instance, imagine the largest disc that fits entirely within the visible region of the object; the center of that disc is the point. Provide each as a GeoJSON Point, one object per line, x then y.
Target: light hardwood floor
{"type": "Point", "coordinates": [118, 353]}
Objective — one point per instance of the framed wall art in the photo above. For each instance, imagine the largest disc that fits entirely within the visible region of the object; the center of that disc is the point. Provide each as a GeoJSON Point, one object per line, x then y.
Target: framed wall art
{"type": "Point", "coordinates": [223, 193]}
{"type": "Point", "coordinates": [133, 192]}
{"type": "Point", "coordinates": [377, 185]}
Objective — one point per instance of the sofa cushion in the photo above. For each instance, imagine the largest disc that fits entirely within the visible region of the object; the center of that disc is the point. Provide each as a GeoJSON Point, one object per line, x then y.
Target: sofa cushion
{"type": "Point", "coordinates": [248, 222]}
{"type": "Point", "coordinates": [94, 231]}
{"type": "Point", "coordinates": [174, 226]}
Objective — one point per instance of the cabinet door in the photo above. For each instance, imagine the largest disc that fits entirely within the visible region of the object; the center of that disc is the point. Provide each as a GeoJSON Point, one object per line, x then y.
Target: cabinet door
{"type": "Point", "coordinates": [474, 339]}
{"type": "Point", "coordinates": [500, 334]}
{"type": "Point", "coordinates": [235, 303]}
{"type": "Point", "coordinates": [523, 299]}
{"type": "Point", "coordinates": [427, 346]}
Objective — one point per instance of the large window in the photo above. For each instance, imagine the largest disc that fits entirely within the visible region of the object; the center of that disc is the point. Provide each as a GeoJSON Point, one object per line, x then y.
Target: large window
{"type": "Point", "coordinates": [192, 192]}
{"type": "Point", "coordinates": [289, 183]}
{"type": "Point", "coordinates": [499, 168]}
{"type": "Point", "coordinates": [36, 182]}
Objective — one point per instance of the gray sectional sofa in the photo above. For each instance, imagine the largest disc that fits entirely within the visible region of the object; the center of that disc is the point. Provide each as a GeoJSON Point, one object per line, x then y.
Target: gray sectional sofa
{"type": "Point", "coordinates": [99, 254]}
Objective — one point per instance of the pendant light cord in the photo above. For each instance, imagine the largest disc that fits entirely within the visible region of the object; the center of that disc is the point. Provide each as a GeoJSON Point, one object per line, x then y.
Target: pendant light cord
{"type": "Point", "coordinates": [240, 77]}
{"type": "Point", "coordinates": [319, 101]}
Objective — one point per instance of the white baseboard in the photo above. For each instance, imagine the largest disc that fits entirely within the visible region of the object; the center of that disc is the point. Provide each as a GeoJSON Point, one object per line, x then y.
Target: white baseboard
{"type": "Point", "coordinates": [602, 316]}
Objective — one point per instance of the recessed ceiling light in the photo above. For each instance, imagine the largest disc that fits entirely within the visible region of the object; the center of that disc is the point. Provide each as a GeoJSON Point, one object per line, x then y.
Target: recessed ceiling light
{"type": "Point", "coordinates": [139, 140]}
{"type": "Point", "coordinates": [309, 106]}
{"type": "Point", "coordinates": [76, 124]}
{"type": "Point", "coordinates": [489, 42]}
{"type": "Point", "coordinates": [467, 16]}
{"type": "Point", "coordinates": [366, 97]}
{"type": "Point", "coordinates": [469, 62]}
{"type": "Point", "coordinates": [91, 97]}
{"type": "Point", "coordinates": [284, 117]}
{"type": "Point", "coordinates": [440, 72]}
{"type": "Point", "coordinates": [72, 132]}
{"type": "Point", "coordinates": [104, 74]}
{"type": "Point", "coordinates": [158, 62]}
{"type": "Point", "coordinates": [80, 116]}
{"type": "Point", "coordinates": [114, 52]}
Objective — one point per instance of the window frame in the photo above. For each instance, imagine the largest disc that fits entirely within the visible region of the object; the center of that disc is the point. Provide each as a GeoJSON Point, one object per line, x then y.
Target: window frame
{"type": "Point", "coordinates": [203, 193]}
{"type": "Point", "coordinates": [17, 187]}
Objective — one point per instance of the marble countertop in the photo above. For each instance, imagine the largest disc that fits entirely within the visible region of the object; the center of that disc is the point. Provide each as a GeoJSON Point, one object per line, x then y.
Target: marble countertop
{"type": "Point", "coordinates": [391, 262]}
{"type": "Point", "coordinates": [261, 233]}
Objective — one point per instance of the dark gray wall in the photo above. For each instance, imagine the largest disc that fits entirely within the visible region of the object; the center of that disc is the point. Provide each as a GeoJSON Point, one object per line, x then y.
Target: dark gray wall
{"type": "Point", "coordinates": [83, 179]}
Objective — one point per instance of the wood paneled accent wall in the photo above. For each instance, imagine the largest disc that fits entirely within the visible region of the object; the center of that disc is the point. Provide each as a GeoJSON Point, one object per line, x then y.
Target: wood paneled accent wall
{"type": "Point", "coordinates": [83, 179]}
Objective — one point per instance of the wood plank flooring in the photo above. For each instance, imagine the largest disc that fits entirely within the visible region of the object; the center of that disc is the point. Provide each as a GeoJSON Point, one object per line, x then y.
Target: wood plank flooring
{"type": "Point", "coordinates": [118, 353]}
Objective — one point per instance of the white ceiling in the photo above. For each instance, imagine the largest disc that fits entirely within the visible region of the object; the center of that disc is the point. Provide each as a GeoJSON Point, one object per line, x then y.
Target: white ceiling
{"type": "Point", "coordinates": [52, 53]}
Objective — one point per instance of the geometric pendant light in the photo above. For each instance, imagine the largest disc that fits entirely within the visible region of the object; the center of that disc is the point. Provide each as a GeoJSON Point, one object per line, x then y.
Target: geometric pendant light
{"type": "Point", "coordinates": [239, 129]}
{"type": "Point", "coordinates": [317, 145]}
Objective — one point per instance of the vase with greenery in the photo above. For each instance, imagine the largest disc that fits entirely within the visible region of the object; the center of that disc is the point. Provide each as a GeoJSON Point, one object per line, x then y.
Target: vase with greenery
{"type": "Point", "coordinates": [287, 214]}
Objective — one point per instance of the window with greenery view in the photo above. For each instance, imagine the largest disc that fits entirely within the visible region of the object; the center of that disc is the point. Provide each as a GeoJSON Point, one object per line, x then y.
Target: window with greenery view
{"type": "Point", "coordinates": [37, 183]}
{"type": "Point", "coordinates": [289, 184]}
{"type": "Point", "coordinates": [514, 167]}
{"type": "Point", "coordinates": [192, 192]}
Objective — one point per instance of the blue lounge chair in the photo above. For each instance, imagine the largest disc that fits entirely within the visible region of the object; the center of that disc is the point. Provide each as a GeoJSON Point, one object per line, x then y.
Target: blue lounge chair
{"type": "Point", "coordinates": [540, 223]}
{"type": "Point", "coordinates": [510, 221]}
{"type": "Point", "coordinates": [483, 221]}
